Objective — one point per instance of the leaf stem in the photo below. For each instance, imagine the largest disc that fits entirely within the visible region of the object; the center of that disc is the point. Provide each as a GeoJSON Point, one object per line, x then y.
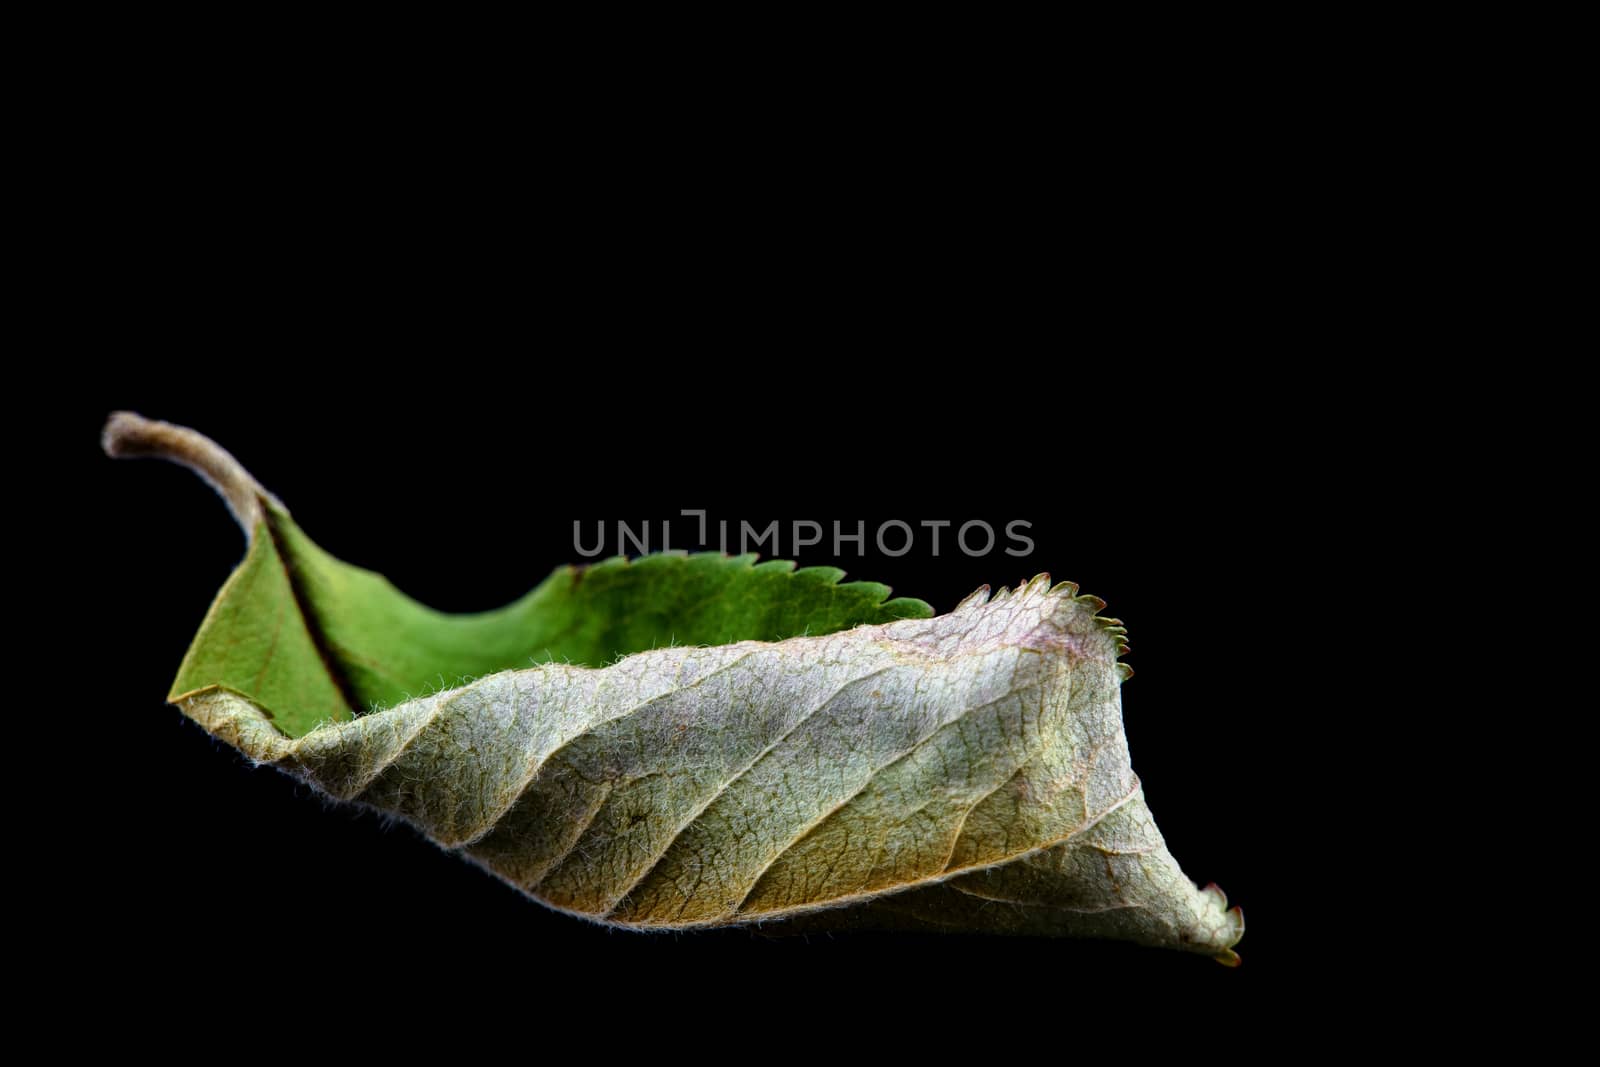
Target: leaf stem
{"type": "Point", "coordinates": [128, 435]}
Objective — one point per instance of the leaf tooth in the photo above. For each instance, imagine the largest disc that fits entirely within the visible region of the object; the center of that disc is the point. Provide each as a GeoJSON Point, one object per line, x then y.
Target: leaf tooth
{"type": "Point", "coordinates": [977, 598]}
{"type": "Point", "coordinates": [911, 607]}
{"type": "Point", "coordinates": [820, 575]}
{"type": "Point", "coordinates": [877, 591]}
{"type": "Point", "coordinates": [1038, 583]}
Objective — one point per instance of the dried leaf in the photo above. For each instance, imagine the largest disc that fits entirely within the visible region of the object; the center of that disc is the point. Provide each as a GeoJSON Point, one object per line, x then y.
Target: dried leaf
{"type": "Point", "coordinates": [965, 772]}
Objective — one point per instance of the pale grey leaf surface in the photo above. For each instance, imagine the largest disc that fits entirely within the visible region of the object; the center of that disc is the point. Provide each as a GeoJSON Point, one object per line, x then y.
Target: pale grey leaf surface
{"type": "Point", "coordinates": [964, 772]}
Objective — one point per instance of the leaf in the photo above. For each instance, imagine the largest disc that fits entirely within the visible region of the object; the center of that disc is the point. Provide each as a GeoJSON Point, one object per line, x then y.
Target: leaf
{"type": "Point", "coordinates": [310, 638]}
{"type": "Point", "coordinates": [965, 772]}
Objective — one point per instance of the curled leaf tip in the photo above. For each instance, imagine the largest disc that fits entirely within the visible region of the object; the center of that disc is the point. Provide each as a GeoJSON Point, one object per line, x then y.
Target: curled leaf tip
{"type": "Point", "coordinates": [1228, 957]}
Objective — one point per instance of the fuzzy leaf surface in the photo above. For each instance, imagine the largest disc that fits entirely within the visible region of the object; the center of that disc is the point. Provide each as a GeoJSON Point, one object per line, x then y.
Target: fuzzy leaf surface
{"type": "Point", "coordinates": [965, 772]}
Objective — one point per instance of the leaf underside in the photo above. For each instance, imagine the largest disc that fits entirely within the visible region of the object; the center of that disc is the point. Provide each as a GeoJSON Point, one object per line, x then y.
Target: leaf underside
{"type": "Point", "coordinates": [967, 772]}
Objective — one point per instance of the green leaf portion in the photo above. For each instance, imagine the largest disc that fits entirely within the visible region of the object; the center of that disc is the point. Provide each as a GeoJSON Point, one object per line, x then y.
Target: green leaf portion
{"type": "Point", "coordinates": [310, 638]}
{"type": "Point", "coordinates": [255, 641]}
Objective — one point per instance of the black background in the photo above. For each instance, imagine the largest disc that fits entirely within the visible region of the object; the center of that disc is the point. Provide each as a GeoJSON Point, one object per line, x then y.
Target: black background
{"type": "Point", "coordinates": [1149, 307]}
{"type": "Point", "coordinates": [1152, 391]}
